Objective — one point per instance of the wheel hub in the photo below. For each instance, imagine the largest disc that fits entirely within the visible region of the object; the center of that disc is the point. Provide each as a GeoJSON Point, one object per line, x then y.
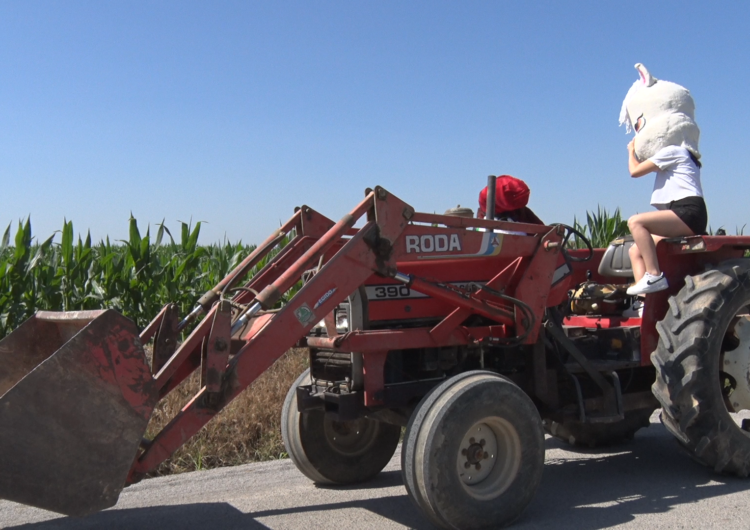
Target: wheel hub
{"type": "Point", "coordinates": [477, 455]}
{"type": "Point", "coordinates": [489, 458]}
{"type": "Point", "coordinates": [737, 364]}
{"type": "Point", "coordinates": [350, 437]}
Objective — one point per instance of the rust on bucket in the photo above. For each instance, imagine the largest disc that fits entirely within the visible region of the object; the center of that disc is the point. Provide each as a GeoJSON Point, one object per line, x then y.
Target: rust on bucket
{"type": "Point", "coordinates": [76, 394]}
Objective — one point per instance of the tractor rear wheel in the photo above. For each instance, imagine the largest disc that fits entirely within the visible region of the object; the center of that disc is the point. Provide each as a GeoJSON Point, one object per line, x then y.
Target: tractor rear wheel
{"type": "Point", "coordinates": [335, 452]}
{"type": "Point", "coordinates": [600, 434]}
{"type": "Point", "coordinates": [703, 367]}
{"type": "Point", "coordinates": [473, 453]}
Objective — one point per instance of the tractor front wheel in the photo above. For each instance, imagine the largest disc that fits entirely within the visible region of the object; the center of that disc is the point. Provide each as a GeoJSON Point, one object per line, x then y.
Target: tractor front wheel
{"type": "Point", "coordinates": [473, 453]}
{"type": "Point", "coordinates": [703, 367]}
{"type": "Point", "coordinates": [335, 452]}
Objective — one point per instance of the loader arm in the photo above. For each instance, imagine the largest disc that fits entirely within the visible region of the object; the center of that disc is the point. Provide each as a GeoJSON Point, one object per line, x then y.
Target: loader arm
{"type": "Point", "coordinates": [368, 251]}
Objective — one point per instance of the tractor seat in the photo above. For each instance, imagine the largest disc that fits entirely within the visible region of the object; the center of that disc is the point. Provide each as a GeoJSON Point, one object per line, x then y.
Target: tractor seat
{"type": "Point", "coordinates": [616, 259]}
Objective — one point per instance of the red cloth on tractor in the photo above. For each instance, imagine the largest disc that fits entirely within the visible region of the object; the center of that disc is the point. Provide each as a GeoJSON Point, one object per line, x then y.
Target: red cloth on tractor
{"type": "Point", "coordinates": [510, 194]}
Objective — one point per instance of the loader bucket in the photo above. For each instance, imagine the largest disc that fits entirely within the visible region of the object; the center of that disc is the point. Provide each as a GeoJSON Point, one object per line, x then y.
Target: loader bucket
{"type": "Point", "coordinates": [76, 395]}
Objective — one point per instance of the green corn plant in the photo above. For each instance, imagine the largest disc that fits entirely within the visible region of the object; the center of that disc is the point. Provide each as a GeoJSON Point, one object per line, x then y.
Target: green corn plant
{"type": "Point", "coordinates": [19, 267]}
{"type": "Point", "coordinates": [74, 270]}
{"type": "Point", "coordinates": [738, 231]}
{"type": "Point", "coordinates": [600, 228]}
{"type": "Point", "coordinates": [16, 289]}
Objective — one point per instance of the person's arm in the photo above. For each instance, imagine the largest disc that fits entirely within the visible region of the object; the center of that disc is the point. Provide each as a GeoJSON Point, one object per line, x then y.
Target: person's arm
{"type": "Point", "coordinates": [636, 168]}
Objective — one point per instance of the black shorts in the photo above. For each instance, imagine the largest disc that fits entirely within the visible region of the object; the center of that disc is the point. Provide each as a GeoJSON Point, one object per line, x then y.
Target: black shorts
{"type": "Point", "coordinates": [691, 211]}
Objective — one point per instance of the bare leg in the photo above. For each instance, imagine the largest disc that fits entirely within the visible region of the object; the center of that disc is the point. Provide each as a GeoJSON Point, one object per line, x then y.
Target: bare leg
{"type": "Point", "coordinates": [661, 224]}
{"type": "Point", "coordinates": [636, 260]}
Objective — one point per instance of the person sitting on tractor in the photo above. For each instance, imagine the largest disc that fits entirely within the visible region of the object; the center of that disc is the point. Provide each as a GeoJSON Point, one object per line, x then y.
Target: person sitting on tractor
{"type": "Point", "coordinates": [511, 197]}
{"type": "Point", "coordinates": [666, 142]}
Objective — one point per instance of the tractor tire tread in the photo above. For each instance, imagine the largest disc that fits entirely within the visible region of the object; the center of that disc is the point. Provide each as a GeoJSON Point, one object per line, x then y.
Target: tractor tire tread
{"type": "Point", "coordinates": [687, 371]}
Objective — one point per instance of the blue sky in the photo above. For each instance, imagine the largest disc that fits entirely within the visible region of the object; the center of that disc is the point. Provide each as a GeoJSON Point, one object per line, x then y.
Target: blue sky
{"type": "Point", "coordinates": [233, 113]}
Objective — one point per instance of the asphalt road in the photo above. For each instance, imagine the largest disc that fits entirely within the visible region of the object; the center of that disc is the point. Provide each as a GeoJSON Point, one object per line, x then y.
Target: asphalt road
{"type": "Point", "coordinates": [647, 483]}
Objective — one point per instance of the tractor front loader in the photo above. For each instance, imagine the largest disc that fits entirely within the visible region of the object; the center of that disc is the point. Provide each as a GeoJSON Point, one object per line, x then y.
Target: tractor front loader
{"type": "Point", "coordinates": [476, 335]}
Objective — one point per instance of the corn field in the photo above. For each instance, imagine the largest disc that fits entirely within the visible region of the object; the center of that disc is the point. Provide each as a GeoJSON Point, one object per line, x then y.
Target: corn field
{"type": "Point", "coordinates": [137, 277]}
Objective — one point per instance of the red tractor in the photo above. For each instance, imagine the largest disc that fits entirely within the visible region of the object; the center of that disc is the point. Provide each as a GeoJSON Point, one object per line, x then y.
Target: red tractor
{"type": "Point", "coordinates": [475, 335]}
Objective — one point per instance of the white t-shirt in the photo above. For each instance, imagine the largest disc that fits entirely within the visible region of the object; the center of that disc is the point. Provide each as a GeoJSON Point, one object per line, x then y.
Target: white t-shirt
{"type": "Point", "coordinates": [678, 176]}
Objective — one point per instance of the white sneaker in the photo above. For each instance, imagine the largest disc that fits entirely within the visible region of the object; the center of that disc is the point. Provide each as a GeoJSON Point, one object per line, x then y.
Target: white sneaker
{"type": "Point", "coordinates": [635, 310]}
{"type": "Point", "coordinates": [648, 284]}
